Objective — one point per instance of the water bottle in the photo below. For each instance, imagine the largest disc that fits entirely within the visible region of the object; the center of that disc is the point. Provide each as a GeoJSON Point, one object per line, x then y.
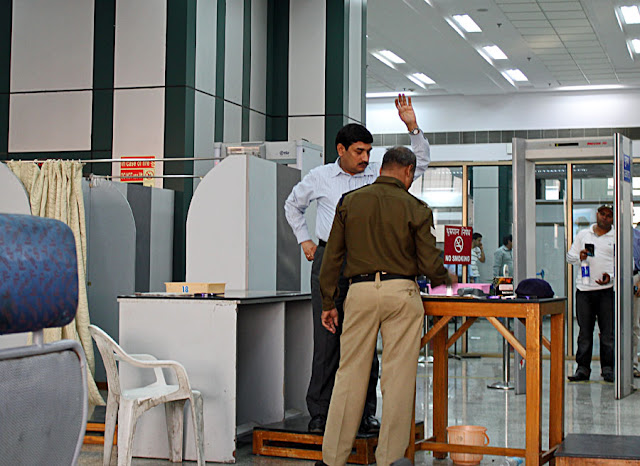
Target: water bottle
{"type": "Point", "coordinates": [584, 267]}
{"type": "Point", "coordinates": [512, 461]}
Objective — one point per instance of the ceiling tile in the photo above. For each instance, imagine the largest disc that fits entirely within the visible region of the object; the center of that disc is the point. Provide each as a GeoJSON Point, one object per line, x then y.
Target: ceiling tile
{"type": "Point", "coordinates": [559, 15]}
{"type": "Point", "coordinates": [581, 43]}
{"type": "Point", "coordinates": [578, 37]}
{"type": "Point", "coordinates": [519, 7]}
{"type": "Point", "coordinates": [526, 16]}
{"type": "Point", "coordinates": [574, 30]}
{"type": "Point", "coordinates": [558, 23]}
{"type": "Point", "coordinates": [560, 6]}
{"type": "Point", "coordinates": [536, 31]}
{"type": "Point", "coordinates": [531, 24]}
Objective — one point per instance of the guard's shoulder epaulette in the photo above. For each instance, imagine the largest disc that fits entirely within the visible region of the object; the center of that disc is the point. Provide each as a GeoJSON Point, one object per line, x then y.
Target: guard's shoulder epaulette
{"type": "Point", "coordinates": [349, 192]}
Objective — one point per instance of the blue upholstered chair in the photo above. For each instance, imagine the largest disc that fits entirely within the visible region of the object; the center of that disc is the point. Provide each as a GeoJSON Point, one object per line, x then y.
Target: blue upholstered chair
{"type": "Point", "coordinates": [43, 387]}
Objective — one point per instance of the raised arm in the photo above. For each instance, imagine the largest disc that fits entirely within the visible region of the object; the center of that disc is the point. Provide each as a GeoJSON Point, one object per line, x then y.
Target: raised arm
{"type": "Point", "coordinates": [419, 144]}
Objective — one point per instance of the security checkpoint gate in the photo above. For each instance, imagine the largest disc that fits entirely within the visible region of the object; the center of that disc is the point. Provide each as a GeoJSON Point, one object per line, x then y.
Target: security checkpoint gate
{"type": "Point", "coordinates": [617, 149]}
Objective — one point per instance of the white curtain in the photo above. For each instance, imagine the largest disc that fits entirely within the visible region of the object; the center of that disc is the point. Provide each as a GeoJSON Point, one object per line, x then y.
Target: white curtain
{"type": "Point", "coordinates": [55, 191]}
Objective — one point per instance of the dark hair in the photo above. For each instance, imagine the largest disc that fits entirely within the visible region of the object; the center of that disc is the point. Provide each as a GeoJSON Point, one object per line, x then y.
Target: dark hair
{"type": "Point", "coordinates": [506, 239]}
{"type": "Point", "coordinates": [476, 236]}
{"type": "Point", "coordinates": [400, 156]}
{"type": "Point", "coordinates": [352, 133]}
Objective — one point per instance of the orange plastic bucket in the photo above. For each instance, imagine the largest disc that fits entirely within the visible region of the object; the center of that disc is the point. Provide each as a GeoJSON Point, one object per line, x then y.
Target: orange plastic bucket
{"type": "Point", "coordinates": [467, 435]}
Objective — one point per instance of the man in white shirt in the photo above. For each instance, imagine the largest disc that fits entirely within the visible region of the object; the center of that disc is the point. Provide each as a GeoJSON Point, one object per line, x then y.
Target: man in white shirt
{"type": "Point", "coordinates": [326, 185]}
{"type": "Point", "coordinates": [477, 255]}
{"type": "Point", "coordinates": [594, 295]}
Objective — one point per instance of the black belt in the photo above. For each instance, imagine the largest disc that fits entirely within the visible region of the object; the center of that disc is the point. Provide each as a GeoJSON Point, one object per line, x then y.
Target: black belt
{"type": "Point", "coordinates": [370, 277]}
{"type": "Point", "coordinates": [322, 243]}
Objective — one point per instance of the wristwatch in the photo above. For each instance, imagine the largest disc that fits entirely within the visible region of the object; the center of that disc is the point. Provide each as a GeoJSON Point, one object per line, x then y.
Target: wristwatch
{"type": "Point", "coordinates": [415, 131]}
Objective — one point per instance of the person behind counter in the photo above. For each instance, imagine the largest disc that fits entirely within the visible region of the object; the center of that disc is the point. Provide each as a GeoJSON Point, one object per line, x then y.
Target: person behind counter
{"type": "Point", "coordinates": [325, 185]}
{"type": "Point", "coordinates": [382, 235]}
{"type": "Point", "coordinates": [504, 256]}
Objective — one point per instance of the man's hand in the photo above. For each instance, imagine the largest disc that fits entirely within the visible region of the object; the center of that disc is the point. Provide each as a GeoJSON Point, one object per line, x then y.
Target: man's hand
{"type": "Point", "coordinates": [405, 112]}
{"type": "Point", "coordinates": [605, 279]}
{"type": "Point", "coordinates": [330, 320]}
{"type": "Point", "coordinates": [454, 278]}
{"type": "Point", "coordinates": [583, 255]}
{"type": "Point", "coordinates": [309, 248]}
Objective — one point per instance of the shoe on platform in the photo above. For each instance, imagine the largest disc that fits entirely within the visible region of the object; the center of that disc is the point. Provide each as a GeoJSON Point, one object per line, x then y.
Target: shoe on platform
{"type": "Point", "coordinates": [369, 425]}
{"type": "Point", "coordinates": [321, 463]}
{"type": "Point", "coordinates": [578, 377]}
{"type": "Point", "coordinates": [608, 377]}
{"type": "Point", "coordinates": [317, 424]}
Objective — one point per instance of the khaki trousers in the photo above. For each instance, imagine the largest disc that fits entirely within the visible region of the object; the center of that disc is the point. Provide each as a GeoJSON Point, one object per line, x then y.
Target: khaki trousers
{"type": "Point", "coordinates": [394, 307]}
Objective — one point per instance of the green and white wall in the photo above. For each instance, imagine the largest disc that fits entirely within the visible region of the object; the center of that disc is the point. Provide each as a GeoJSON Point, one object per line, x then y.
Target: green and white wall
{"type": "Point", "coordinates": [101, 79]}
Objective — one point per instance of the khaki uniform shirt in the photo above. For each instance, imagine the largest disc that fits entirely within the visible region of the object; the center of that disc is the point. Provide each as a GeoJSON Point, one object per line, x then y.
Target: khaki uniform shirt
{"type": "Point", "coordinates": [380, 228]}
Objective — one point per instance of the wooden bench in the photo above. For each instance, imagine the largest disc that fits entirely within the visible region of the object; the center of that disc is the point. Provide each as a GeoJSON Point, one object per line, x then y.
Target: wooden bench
{"type": "Point", "coordinates": [291, 439]}
{"type": "Point", "coordinates": [598, 450]}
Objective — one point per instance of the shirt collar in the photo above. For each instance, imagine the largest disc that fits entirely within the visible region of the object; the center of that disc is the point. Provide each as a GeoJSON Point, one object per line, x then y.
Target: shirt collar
{"type": "Point", "coordinates": [390, 180]}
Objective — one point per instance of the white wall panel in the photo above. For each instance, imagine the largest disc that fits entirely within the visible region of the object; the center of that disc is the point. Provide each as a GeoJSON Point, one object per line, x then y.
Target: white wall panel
{"type": "Point", "coordinates": [258, 91]}
{"type": "Point", "coordinates": [52, 45]}
{"type": "Point", "coordinates": [138, 124]}
{"type": "Point", "coordinates": [307, 38]}
{"type": "Point", "coordinates": [233, 53]}
{"type": "Point", "coordinates": [206, 28]}
{"type": "Point", "coordinates": [356, 61]}
{"type": "Point", "coordinates": [232, 123]}
{"type": "Point", "coordinates": [140, 46]}
{"type": "Point", "coordinates": [309, 128]}
{"type": "Point", "coordinates": [203, 125]}
{"type": "Point", "coordinates": [257, 126]}
{"type": "Point", "coordinates": [540, 110]}
{"type": "Point", "coordinates": [57, 121]}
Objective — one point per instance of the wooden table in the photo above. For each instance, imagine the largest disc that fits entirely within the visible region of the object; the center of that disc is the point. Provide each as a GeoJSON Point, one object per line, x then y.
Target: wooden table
{"type": "Point", "coordinates": [530, 313]}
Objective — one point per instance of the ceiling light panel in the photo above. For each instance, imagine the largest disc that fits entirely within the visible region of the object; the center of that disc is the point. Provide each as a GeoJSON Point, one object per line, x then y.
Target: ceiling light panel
{"type": "Point", "coordinates": [424, 78]}
{"type": "Point", "coordinates": [635, 43]}
{"type": "Point", "coordinates": [516, 75]}
{"type": "Point", "coordinates": [495, 52]}
{"type": "Point", "coordinates": [467, 23]}
{"type": "Point", "coordinates": [630, 14]}
{"type": "Point", "coordinates": [383, 60]}
{"type": "Point", "coordinates": [415, 80]}
{"type": "Point", "coordinates": [392, 57]}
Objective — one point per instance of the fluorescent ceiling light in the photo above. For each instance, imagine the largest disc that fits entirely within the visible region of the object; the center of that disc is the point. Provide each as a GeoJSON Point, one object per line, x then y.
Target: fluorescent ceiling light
{"type": "Point", "coordinates": [455, 27]}
{"type": "Point", "coordinates": [516, 75]}
{"type": "Point", "coordinates": [383, 60]}
{"type": "Point", "coordinates": [630, 14]}
{"type": "Point", "coordinates": [467, 23]}
{"type": "Point", "coordinates": [373, 95]}
{"type": "Point", "coordinates": [494, 52]}
{"type": "Point", "coordinates": [635, 43]}
{"type": "Point", "coordinates": [417, 81]}
{"type": "Point", "coordinates": [594, 87]}
{"type": "Point", "coordinates": [424, 78]}
{"type": "Point", "coordinates": [392, 57]}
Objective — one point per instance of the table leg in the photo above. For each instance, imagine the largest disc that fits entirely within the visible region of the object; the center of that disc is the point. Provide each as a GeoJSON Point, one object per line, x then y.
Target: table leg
{"type": "Point", "coordinates": [534, 387]}
{"type": "Point", "coordinates": [440, 388]}
{"type": "Point", "coordinates": [556, 381]}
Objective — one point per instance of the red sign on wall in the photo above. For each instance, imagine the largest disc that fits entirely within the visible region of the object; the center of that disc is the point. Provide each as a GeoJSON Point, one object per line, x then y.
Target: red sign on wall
{"type": "Point", "coordinates": [135, 171]}
{"type": "Point", "coordinates": [457, 244]}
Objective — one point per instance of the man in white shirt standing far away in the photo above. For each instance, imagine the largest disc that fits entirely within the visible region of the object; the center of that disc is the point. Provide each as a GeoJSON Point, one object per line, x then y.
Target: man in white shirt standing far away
{"type": "Point", "coordinates": [326, 185]}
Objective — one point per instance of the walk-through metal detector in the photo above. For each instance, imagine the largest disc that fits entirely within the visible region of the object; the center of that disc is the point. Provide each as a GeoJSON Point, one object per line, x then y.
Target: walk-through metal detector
{"type": "Point", "coordinates": [617, 149]}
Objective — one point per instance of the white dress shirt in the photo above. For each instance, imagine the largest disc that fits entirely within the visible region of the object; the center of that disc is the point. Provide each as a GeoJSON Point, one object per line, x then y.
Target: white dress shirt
{"type": "Point", "coordinates": [326, 185]}
{"type": "Point", "coordinates": [602, 260]}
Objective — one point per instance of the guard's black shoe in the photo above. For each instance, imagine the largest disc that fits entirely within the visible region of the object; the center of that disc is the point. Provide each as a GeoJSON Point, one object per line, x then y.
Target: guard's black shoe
{"type": "Point", "coordinates": [608, 377]}
{"type": "Point", "coordinates": [578, 377]}
{"type": "Point", "coordinates": [317, 424]}
{"type": "Point", "coordinates": [369, 425]}
{"type": "Point", "coordinates": [321, 463]}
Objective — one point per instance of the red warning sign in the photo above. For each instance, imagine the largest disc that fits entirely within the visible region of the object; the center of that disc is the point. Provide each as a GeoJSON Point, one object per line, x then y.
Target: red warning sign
{"type": "Point", "coordinates": [133, 171]}
{"type": "Point", "coordinates": [457, 244]}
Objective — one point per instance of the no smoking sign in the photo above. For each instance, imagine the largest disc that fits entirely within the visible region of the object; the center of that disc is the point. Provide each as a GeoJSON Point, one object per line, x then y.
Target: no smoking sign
{"type": "Point", "coordinates": [457, 244]}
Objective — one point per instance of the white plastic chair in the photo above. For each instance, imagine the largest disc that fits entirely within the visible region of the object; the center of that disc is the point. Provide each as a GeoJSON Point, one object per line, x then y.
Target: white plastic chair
{"type": "Point", "coordinates": [128, 405]}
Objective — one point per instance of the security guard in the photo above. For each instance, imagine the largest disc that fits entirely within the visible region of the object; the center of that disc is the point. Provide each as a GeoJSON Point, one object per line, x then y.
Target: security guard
{"type": "Point", "coordinates": [385, 234]}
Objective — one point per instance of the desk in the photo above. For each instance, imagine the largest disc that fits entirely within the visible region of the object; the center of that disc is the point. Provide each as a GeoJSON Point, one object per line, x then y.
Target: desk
{"type": "Point", "coordinates": [530, 313]}
{"type": "Point", "coordinates": [248, 353]}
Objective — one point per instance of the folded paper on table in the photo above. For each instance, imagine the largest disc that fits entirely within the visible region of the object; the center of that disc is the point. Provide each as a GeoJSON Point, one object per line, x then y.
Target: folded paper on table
{"type": "Point", "coordinates": [442, 289]}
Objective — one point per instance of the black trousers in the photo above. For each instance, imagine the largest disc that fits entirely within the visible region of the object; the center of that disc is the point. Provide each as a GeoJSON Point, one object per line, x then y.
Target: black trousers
{"type": "Point", "coordinates": [592, 306]}
{"type": "Point", "coordinates": [326, 350]}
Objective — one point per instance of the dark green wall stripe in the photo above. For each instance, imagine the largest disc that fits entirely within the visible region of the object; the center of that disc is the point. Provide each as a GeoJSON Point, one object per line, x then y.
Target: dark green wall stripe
{"type": "Point", "coordinates": [277, 125]}
{"type": "Point", "coordinates": [6, 13]}
{"type": "Point", "coordinates": [246, 69]}
{"type": "Point", "coordinates": [363, 76]}
{"type": "Point", "coordinates": [335, 72]}
{"type": "Point", "coordinates": [104, 37]}
{"type": "Point", "coordinates": [179, 117]}
{"type": "Point", "coordinates": [221, 21]}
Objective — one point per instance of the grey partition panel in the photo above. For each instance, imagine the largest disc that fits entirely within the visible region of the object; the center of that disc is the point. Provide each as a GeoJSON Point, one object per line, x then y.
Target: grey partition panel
{"type": "Point", "coordinates": [288, 251]}
{"type": "Point", "coordinates": [111, 251]}
{"type": "Point", "coordinates": [622, 162]}
{"type": "Point", "coordinates": [161, 248]}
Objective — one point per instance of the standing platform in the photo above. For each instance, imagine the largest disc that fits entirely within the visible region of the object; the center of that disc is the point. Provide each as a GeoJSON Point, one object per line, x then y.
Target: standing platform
{"type": "Point", "coordinates": [291, 439]}
{"type": "Point", "coordinates": [599, 450]}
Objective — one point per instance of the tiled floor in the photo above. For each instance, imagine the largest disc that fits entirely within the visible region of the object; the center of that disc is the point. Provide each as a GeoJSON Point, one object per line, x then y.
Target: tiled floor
{"type": "Point", "coordinates": [590, 408]}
